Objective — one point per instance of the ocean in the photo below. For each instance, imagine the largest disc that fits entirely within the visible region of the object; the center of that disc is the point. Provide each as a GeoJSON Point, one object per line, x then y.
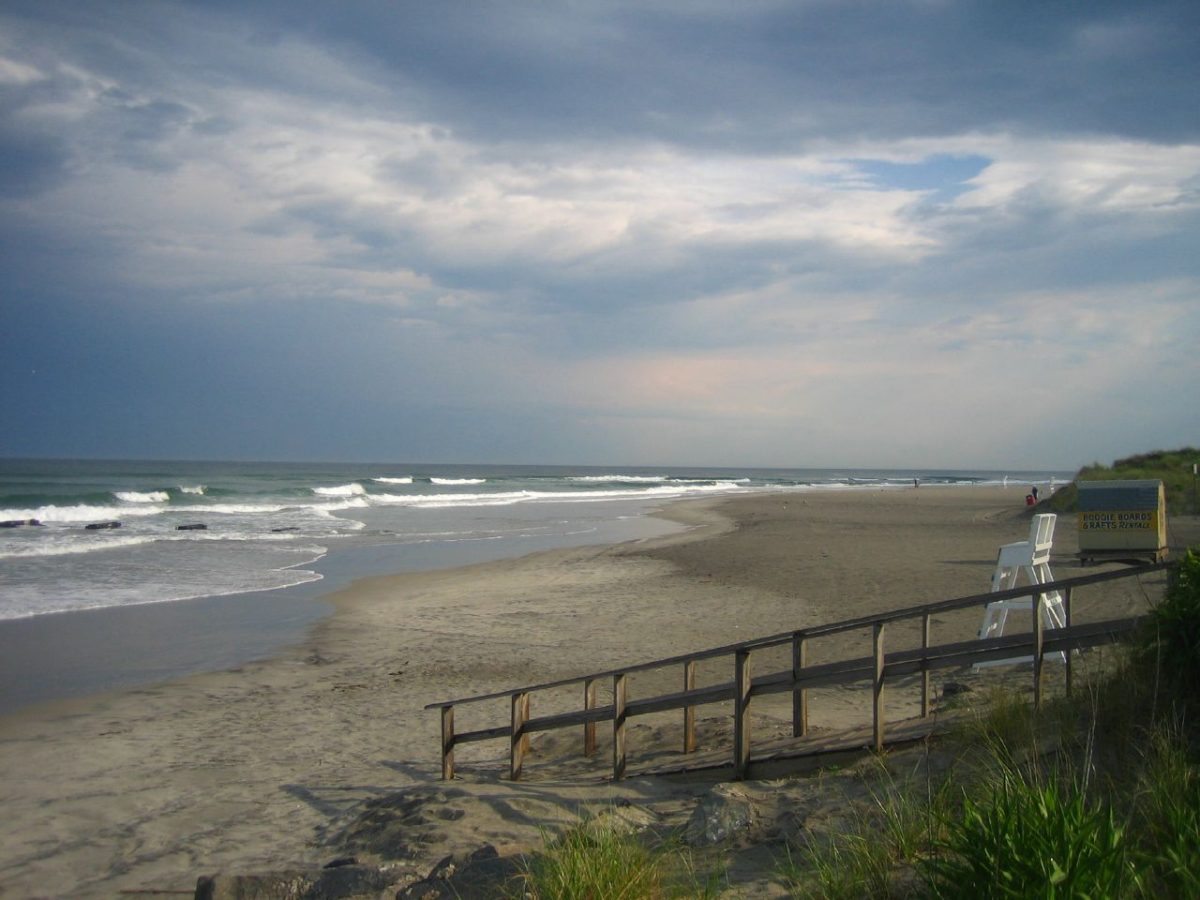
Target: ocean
{"type": "Point", "coordinates": [268, 540]}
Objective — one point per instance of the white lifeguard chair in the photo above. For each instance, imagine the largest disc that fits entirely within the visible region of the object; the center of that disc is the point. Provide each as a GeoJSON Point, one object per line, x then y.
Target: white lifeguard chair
{"type": "Point", "coordinates": [1033, 558]}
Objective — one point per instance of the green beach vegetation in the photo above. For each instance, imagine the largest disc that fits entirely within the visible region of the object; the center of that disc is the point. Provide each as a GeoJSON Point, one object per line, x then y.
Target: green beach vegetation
{"type": "Point", "coordinates": [602, 858]}
{"type": "Point", "coordinates": [1085, 799]}
{"type": "Point", "coordinates": [1094, 796]}
{"type": "Point", "coordinates": [1172, 467]}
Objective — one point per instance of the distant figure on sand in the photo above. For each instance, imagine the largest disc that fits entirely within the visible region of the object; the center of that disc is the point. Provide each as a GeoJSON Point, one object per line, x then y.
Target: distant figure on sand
{"type": "Point", "coordinates": [916, 483]}
{"type": "Point", "coordinates": [1033, 490]}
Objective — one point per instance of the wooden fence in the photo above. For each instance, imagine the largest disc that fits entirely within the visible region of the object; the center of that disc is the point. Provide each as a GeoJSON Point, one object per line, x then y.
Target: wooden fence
{"type": "Point", "coordinates": [875, 670]}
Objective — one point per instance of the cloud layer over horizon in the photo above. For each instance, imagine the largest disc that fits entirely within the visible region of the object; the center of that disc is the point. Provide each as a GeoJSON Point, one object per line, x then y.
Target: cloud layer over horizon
{"type": "Point", "coordinates": [912, 234]}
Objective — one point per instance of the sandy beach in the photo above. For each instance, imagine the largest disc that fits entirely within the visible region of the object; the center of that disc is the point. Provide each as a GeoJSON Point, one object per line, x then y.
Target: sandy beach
{"type": "Point", "coordinates": [270, 766]}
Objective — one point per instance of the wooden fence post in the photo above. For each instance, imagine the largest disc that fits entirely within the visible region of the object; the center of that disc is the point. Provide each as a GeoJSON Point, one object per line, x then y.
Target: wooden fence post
{"type": "Point", "coordinates": [619, 699]}
{"type": "Point", "coordinates": [925, 666]}
{"type": "Point", "coordinates": [518, 739]}
{"type": "Point", "coordinates": [877, 686]}
{"type": "Point", "coordinates": [1067, 623]}
{"type": "Point", "coordinates": [589, 728]}
{"type": "Point", "coordinates": [799, 695]}
{"type": "Point", "coordinates": [447, 743]}
{"type": "Point", "coordinates": [689, 711]}
{"type": "Point", "coordinates": [741, 714]}
{"type": "Point", "coordinates": [1038, 637]}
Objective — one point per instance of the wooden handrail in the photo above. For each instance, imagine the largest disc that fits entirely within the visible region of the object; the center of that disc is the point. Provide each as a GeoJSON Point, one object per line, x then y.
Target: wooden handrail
{"type": "Point", "coordinates": [815, 631]}
{"type": "Point", "coordinates": [875, 669]}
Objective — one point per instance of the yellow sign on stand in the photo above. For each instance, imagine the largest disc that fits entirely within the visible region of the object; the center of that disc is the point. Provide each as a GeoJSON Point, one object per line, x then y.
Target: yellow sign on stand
{"type": "Point", "coordinates": [1117, 520]}
{"type": "Point", "coordinates": [1122, 519]}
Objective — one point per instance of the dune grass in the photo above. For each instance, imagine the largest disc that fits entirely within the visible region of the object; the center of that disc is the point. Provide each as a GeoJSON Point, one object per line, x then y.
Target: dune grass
{"type": "Point", "coordinates": [1099, 798]}
{"type": "Point", "coordinates": [1020, 814]}
{"type": "Point", "coordinates": [874, 853]}
{"type": "Point", "coordinates": [1022, 840]}
{"type": "Point", "coordinates": [1172, 467]}
{"type": "Point", "coordinates": [587, 862]}
{"type": "Point", "coordinates": [601, 858]}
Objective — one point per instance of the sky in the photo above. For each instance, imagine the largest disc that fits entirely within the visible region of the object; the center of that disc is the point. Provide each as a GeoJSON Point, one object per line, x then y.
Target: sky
{"type": "Point", "coordinates": [823, 233]}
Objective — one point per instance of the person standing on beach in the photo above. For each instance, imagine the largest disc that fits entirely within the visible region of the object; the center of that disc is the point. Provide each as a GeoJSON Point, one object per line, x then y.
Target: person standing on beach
{"type": "Point", "coordinates": [1033, 491]}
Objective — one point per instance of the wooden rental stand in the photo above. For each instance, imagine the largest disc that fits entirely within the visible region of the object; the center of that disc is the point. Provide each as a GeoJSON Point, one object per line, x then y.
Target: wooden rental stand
{"type": "Point", "coordinates": [1122, 521]}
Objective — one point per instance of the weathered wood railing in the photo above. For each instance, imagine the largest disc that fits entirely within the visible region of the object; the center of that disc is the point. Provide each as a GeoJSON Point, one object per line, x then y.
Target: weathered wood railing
{"type": "Point", "coordinates": [875, 669]}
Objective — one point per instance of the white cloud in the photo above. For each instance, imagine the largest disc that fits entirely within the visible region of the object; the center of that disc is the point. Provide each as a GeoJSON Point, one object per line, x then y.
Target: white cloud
{"type": "Point", "coordinates": [18, 73]}
{"type": "Point", "coordinates": [1097, 176]}
{"type": "Point", "coordinates": [1013, 383]}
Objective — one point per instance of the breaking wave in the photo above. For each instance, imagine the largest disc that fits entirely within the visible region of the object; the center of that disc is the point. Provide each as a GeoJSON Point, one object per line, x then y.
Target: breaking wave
{"type": "Point", "coordinates": [507, 498]}
{"type": "Point", "coordinates": [354, 489]}
{"type": "Point", "coordinates": [79, 514]}
{"type": "Point", "coordinates": [142, 496]}
{"type": "Point", "coordinates": [618, 479]}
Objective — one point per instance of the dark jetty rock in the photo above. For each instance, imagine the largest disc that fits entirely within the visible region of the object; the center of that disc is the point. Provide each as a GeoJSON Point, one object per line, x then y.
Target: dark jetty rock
{"type": "Point", "coordinates": [97, 526]}
{"type": "Point", "coordinates": [199, 526]}
{"type": "Point", "coordinates": [483, 873]}
{"type": "Point", "coordinates": [725, 815]}
{"type": "Point", "coordinates": [337, 883]}
{"type": "Point", "coordinates": [287, 528]}
{"type": "Point", "coordinates": [20, 523]}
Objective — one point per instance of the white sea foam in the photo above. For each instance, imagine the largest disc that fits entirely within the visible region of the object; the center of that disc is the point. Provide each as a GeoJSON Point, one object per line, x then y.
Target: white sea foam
{"type": "Point", "coordinates": [80, 514]}
{"type": "Point", "coordinates": [708, 480]}
{"type": "Point", "coordinates": [353, 489]}
{"type": "Point", "coordinates": [193, 489]}
{"type": "Point", "coordinates": [670, 489]}
{"type": "Point", "coordinates": [384, 480]}
{"type": "Point", "coordinates": [142, 496]}
{"type": "Point", "coordinates": [619, 479]}
{"type": "Point", "coordinates": [238, 509]}
{"type": "Point", "coordinates": [444, 500]}
{"type": "Point", "coordinates": [507, 498]}
{"type": "Point", "coordinates": [72, 548]}
{"type": "Point", "coordinates": [327, 512]}
{"type": "Point", "coordinates": [25, 603]}
{"type": "Point", "coordinates": [251, 509]}
{"type": "Point", "coordinates": [458, 480]}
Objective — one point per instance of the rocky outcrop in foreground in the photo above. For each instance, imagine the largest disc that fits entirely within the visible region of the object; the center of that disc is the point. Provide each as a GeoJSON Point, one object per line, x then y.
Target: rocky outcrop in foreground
{"type": "Point", "coordinates": [478, 874]}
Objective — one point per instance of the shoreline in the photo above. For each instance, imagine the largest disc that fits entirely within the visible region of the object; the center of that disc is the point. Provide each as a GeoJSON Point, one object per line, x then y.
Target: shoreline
{"type": "Point", "coordinates": [80, 653]}
{"type": "Point", "coordinates": [265, 766]}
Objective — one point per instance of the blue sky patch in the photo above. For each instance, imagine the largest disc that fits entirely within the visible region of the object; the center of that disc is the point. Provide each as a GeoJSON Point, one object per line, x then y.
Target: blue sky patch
{"type": "Point", "coordinates": [944, 174]}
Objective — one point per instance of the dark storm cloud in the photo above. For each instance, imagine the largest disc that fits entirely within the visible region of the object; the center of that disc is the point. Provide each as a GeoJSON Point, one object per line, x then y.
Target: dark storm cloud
{"type": "Point", "coordinates": [771, 75]}
{"type": "Point", "coordinates": [758, 77]}
{"type": "Point", "coordinates": [29, 163]}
